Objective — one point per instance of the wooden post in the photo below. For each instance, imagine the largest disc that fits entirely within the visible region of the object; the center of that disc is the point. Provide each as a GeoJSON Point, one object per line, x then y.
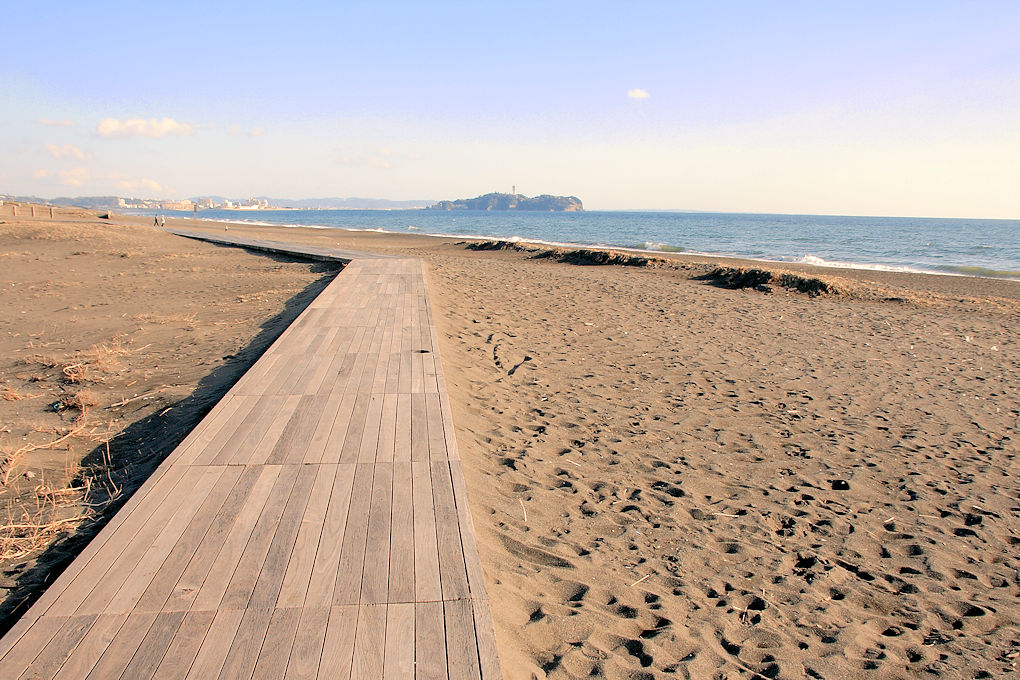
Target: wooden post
{"type": "Point", "coordinates": [33, 211]}
{"type": "Point", "coordinates": [51, 212]}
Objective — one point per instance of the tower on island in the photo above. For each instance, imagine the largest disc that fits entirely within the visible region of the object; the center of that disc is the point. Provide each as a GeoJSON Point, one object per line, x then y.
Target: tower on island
{"type": "Point", "coordinates": [515, 190]}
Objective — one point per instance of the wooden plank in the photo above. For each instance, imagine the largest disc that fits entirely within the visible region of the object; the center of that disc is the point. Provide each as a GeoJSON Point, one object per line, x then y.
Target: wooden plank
{"type": "Point", "coordinates": [370, 436]}
{"type": "Point", "coordinates": [461, 646]}
{"type": "Point", "coordinates": [31, 643]}
{"type": "Point", "coordinates": [216, 645]}
{"type": "Point", "coordinates": [221, 415]}
{"type": "Point", "coordinates": [430, 641]}
{"type": "Point", "coordinates": [248, 434]}
{"type": "Point", "coordinates": [375, 580]}
{"type": "Point", "coordinates": [137, 575]}
{"type": "Point", "coordinates": [303, 663]}
{"type": "Point", "coordinates": [419, 428]}
{"type": "Point", "coordinates": [58, 648]}
{"type": "Point", "coordinates": [436, 434]}
{"type": "Point", "coordinates": [401, 564]}
{"type": "Point", "coordinates": [302, 559]}
{"type": "Point", "coordinates": [387, 429]}
{"type": "Point", "coordinates": [260, 452]}
{"type": "Point", "coordinates": [246, 644]}
{"type": "Point", "coordinates": [448, 431]}
{"type": "Point", "coordinates": [117, 655]}
{"type": "Point", "coordinates": [251, 383]}
{"type": "Point", "coordinates": [270, 581]}
{"type": "Point", "coordinates": [246, 574]}
{"type": "Point", "coordinates": [319, 439]}
{"type": "Point", "coordinates": [476, 579]}
{"type": "Point", "coordinates": [290, 448]}
{"type": "Point", "coordinates": [352, 555]}
{"type": "Point", "coordinates": [398, 661]}
{"type": "Point", "coordinates": [488, 655]}
{"type": "Point", "coordinates": [452, 572]}
{"type": "Point", "coordinates": [272, 661]}
{"type": "Point", "coordinates": [369, 644]}
{"type": "Point", "coordinates": [207, 575]}
{"type": "Point", "coordinates": [402, 437]}
{"type": "Point", "coordinates": [232, 483]}
{"type": "Point", "coordinates": [351, 451]}
{"type": "Point", "coordinates": [99, 636]}
{"type": "Point", "coordinates": [327, 557]}
{"type": "Point", "coordinates": [338, 649]}
{"type": "Point", "coordinates": [226, 432]}
{"type": "Point", "coordinates": [427, 585]}
{"type": "Point", "coordinates": [184, 648]}
{"type": "Point", "coordinates": [106, 588]}
{"type": "Point", "coordinates": [154, 645]}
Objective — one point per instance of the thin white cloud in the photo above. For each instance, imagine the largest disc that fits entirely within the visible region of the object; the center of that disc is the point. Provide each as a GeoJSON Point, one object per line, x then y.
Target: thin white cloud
{"type": "Point", "coordinates": [67, 151]}
{"type": "Point", "coordinates": [49, 122]}
{"type": "Point", "coordinates": [638, 93]}
{"type": "Point", "coordinates": [131, 184]}
{"type": "Point", "coordinates": [383, 158]}
{"type": "Point", "coordinates": [41, 173]}
{"type": "Point", "coordinates": [74, 177]}
{"type": "Point", "coordinates": [257, 132]}
{"type": "Point", "coordinates": [139, 127]}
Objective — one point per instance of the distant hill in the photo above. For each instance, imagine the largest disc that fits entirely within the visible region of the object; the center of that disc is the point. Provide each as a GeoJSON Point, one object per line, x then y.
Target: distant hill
{"type": "Point", "coordinates": [543, 203]}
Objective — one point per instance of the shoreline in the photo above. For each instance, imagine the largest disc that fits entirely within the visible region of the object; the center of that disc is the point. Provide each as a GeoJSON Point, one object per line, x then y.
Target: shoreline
{"type": "Point", "coordinates": [664, 251]}
{"type": "Point", "coordinates": [943, 283]}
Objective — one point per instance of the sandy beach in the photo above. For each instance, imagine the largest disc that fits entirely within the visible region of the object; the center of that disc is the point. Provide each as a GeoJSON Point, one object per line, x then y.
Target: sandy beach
{"type": "Point", "coordinates": [809, 477]}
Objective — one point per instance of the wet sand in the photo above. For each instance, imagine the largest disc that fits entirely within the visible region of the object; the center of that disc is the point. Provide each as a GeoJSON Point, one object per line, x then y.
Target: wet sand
{"type": "Point", "coordinates": [670, 478]}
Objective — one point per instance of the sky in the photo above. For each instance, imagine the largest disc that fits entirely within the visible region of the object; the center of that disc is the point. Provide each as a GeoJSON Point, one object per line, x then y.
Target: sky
{"type": "Point", "coordinates": [858, 108]}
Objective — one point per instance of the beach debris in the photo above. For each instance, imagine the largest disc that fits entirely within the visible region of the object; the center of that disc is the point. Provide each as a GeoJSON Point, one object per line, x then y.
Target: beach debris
{"type": "Point", "coordinates": [524, 509]}
{"type": "Point", "coordinates": [646, 576]}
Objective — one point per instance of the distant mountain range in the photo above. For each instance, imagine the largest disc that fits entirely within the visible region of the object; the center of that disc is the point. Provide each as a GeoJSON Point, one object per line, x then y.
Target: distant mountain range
{"type": "Point", "coordinates": [354, 203]}
{"type": "Point", "coordinates": [114, 202]}
{"type": "Point", "coordinates": [543, 203]}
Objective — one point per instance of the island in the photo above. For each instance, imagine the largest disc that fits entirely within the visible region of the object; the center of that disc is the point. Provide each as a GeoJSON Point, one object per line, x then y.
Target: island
{"type": "Point", "coordinates": [495, 201]}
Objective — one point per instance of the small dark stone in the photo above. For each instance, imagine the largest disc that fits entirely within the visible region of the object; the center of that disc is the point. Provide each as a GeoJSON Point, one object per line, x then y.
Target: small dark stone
{"type": "Point", "coordinates": [840, 485]}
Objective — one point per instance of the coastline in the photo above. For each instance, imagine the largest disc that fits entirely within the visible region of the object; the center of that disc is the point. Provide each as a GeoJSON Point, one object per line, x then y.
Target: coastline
{"type": "Point", "coordinates": [674, 478]}
{"type": "Point", "coordinates": [661, 245]}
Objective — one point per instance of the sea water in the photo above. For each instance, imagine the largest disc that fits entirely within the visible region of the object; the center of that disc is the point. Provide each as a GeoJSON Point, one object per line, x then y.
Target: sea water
{"type": "Point", "coordinates": [988, 248]}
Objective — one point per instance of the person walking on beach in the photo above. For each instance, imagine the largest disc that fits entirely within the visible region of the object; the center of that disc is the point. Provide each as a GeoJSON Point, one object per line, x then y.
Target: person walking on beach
{"type": "Point", "coordinates": [162, 221]}
{"type": "Point", "coordinates": [155, 221]}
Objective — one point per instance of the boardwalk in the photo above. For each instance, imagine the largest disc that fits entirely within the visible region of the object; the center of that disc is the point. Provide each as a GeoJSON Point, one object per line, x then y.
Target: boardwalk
{"type": "Point", "coordinates": [314, 525]}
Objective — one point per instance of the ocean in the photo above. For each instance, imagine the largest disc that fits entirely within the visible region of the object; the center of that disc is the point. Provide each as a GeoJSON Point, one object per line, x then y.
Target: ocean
{"type": "Point", "coordinates": [969, 247]}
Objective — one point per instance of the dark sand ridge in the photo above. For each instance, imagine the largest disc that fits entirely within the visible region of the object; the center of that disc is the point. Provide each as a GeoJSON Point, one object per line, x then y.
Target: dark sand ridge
{"type": "Point", "coordinates": [673, 479]}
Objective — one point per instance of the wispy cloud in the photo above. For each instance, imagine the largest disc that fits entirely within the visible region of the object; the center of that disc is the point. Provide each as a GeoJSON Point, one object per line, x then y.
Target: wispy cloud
{"type": "Point", "coordinates": [638, 93]}
{"type": "Point", "coordinates": [74, 177]}
{"type": "Point", "coordinates": [49, 122]}
{"type": "Point", "coordinates": [382, 158]}
{"type": "Point", "coordinates": [67, 151]}
{"type": "Point", "coordinates": [131, 184]}
{"type": "Point", "coordinates": [254, 132]}
{"type": "Point", "coordinates": [139, 127]}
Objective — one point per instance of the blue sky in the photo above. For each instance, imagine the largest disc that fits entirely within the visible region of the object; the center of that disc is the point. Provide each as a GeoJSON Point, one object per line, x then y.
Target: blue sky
{"type": "Point", "coordinates": [903, 108]}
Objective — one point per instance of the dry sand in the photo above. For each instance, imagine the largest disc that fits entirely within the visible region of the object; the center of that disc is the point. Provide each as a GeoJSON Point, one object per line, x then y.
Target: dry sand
{"type": "Point", "coordinates": [673, 479]}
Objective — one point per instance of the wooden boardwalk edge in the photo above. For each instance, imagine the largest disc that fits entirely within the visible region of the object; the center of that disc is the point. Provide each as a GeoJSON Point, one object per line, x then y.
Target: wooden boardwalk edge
{"type": "Point", "coordinates": [314, 524]}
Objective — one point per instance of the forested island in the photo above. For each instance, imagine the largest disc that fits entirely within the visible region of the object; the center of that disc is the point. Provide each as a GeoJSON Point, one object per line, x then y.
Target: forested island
{"type": "Point", "coordinates": [495, 201]}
